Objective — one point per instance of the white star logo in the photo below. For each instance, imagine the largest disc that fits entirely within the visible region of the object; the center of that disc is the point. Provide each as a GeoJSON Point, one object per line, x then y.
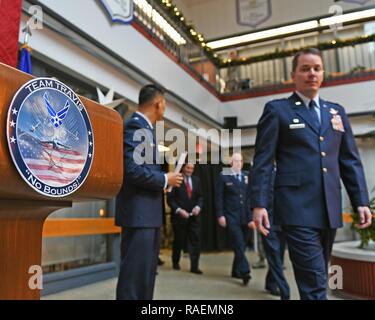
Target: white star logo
{"type": "Point", "coordinates": [12, 140]}
{"type": "Point", "coordinates": [90, 155]}
{"type": "Point", "coordinates": [89, 133]}
{"type": "Point", "coordinates": [14, 111]}
{"type": "Point", "coordinates": [55, 120]}
{"type": "Point", "coordinates": [90, 143]}
{"type": "Point", "coordinates": [12, 124]}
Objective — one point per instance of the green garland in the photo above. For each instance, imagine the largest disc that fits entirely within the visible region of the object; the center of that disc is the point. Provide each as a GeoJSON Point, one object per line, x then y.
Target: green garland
{"type": "Point", "coordinates": [277, 54]}
{"type": "Point", "coordinates": [365, 234]}
{"type": "Point", "coordinates": [177, 17]}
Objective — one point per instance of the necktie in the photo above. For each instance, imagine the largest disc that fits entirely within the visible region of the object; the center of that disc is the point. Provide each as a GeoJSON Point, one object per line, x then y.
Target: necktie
{"type": "Point", "coordinates": [188, 188]}
{"type": "Point", "coordinates": [313, 113]}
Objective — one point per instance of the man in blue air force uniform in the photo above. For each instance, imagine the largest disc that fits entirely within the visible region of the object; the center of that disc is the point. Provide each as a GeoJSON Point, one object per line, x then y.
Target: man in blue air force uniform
{"type": "Point", "coordinates": [139, 204]}
{"type": "Point", "coordinates": [233, 211]}
{"type": "Point", "coordinates": [313, 145]}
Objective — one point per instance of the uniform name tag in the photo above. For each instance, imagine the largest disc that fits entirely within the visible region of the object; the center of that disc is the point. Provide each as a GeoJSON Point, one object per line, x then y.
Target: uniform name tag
{"type": "Point", "coordinates": [229, 184]}
{"type": "Point", "coordinates": [297, 126]}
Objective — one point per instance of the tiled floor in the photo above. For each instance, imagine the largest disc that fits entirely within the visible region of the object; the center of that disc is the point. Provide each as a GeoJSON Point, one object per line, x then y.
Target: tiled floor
{"type": "Point", "coordinates": [215, 283]}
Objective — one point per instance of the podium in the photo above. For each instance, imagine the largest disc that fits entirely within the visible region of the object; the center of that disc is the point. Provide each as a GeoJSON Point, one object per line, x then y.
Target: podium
{"type": "Point", "coordinates": [23, 210]}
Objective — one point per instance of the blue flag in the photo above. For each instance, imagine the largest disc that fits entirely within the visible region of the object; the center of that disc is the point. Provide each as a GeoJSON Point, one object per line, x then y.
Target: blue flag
{"type": "Point", "coordinates": [25, 61]}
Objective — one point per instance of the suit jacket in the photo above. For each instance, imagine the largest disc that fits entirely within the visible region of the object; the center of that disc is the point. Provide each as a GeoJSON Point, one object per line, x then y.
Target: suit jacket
{"type": "Point", "coordinates": [310, 162]}
{"type": "Point", "coordinates": [232, 198]}
{"type": "Point", "coordinates": [139, 202]}
{"type": "Point", "coordinates": [178, 198]}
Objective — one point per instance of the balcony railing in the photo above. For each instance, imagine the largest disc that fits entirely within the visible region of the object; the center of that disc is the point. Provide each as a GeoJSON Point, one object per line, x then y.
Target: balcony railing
{"type": "Point", "coordinates": [342, 62]}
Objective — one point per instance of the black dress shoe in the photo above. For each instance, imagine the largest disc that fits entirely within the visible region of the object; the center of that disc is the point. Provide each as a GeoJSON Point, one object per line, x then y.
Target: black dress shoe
{"type": "Point", "coordinates": [176, 267]}
{"type": "Point", "coordinates": [246, 278]}
{"type": "Point", "coordinates": [196, 271]}
{"type": "Point", "coordinates": [274, 292]}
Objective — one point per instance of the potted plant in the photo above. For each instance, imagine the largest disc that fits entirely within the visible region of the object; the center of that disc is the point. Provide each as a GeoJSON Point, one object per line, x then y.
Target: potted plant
{"type": "Point", "coordinates": [368, 234]}
{"type": "Point", "coordinates": [357, 262]}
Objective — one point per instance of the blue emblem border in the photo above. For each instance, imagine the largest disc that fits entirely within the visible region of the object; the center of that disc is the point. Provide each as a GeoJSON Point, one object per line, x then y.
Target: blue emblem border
{"type": "Point", "coordinates": [18, 99]}
{"type": "Point", "coordinates": [124, 21]}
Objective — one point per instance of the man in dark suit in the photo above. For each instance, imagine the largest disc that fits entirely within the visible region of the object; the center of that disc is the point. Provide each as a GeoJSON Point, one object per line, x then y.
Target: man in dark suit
{"type": "Point", "coordinates": [186, 203]}
{"type": "Point", "coordinates": [313, 145]}
{"type": "Point", "coordinates": [233, 211]}
{"type": "Point", "coordinates": [139, 203]}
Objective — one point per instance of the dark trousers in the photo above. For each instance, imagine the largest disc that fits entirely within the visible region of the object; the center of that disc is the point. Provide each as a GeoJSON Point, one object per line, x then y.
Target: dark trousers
{"type": "Point", "coordinates": [238, 237]}
{"type": "Point", "coordinates": [310, 252]}
{"type": "Point", "coordinates": [186, 235]}
{"type": "Point", "coordinates": [139, 257]}
{"type": "Point", "coordinates": [274, 248]}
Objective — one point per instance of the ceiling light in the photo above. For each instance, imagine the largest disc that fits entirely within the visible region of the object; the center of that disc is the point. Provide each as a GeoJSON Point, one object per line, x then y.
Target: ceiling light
{"type": "Point", "coordinates": [359, 15]}
{"type": "Point", "coordinates": [254, 36]}
{"type": "Point", "coordinates": [157, 18]}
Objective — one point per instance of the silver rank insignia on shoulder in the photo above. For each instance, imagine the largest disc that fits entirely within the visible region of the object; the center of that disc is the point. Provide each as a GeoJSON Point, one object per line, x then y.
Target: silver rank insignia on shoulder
{"type": "Point", "coordinates": [333, 111]}
{"type": "Point", "coordinates": [295, 120]}
{"type": "Point", "coordinates": [298, 103]}
{"type": "Point", "coordinates": [136, 118]}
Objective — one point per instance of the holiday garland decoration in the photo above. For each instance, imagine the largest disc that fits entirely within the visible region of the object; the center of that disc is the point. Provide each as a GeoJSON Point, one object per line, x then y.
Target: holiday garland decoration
{"type": "Point", "coordinates": [176, 15]}
{"type": "Point", "coordinates": [277, 54]}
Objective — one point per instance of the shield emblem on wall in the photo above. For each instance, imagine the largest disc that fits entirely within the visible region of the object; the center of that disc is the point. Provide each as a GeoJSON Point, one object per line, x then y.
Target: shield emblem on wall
{"type": "Point", "coordinates": [119, 10]}
{"type": "Point", "coordinates": [253, 12]}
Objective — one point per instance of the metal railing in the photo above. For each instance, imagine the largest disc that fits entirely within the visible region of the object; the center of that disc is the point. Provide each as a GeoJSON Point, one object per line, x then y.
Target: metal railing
{"type": "Point", "coordinates": [274, 73]}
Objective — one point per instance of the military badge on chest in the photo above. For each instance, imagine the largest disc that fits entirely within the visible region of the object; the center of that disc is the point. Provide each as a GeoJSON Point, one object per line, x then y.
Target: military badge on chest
{"type": "Point", "coordinates": [246, 179]}
{"type": "Point", "coordinates": [336, 121]}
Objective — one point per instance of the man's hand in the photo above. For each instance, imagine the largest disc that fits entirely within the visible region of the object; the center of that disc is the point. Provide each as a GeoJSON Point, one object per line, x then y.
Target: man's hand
{"type": "Point", "coordinates": [365, 217]}
{"type": "Point", "coordinates": [196, 211]}
{"type": "Point", "coordinates": [251, 225]}
{"type": "Point", "coordinates": [184, 214]}
{"type": "Point", "coordinates": [260, 218]}
{"type": "Point", "coordinates": [222, 221]}
{"type": "Point", "coordinates": [174, 179]}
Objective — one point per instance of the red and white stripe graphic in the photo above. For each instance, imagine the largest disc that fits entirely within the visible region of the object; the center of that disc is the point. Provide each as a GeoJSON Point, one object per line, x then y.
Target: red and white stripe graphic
{"type": "Point", "coordinates": [56, 167]}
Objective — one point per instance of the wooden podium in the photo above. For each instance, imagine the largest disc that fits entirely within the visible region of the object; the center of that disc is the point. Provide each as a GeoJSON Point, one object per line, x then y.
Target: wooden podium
{"type": "Point", "coordinates": [23, 210]}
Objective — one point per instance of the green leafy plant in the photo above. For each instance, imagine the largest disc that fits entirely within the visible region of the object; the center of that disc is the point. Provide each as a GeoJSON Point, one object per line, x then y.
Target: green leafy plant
{"type": "Point", "coordinates": [365, 234]}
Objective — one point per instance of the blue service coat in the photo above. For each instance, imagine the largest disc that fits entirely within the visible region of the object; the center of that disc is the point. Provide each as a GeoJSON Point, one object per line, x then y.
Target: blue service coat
{"type": "Point", "coordinates": [232, 198]}
{"type": "Point", "coordinates": [310, 162]}
{"type": "Point", "coordinates": [139, 202]}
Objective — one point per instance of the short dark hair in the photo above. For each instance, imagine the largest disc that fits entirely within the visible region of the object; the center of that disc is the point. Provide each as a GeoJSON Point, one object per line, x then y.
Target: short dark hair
{"type": "Point", "coordinates": [313, 51]}
{"type": "Point", "coordinates": [148, 93]}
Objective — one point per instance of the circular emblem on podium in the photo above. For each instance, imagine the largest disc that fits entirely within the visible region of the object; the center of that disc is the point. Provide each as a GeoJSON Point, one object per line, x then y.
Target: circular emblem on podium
{"type": "Point", "coordinates": [50, 137]}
